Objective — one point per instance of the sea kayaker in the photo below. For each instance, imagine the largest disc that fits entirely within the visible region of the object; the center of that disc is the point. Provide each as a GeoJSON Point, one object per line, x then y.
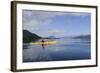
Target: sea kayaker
{"type": "Point", "coordinates": [43, 43]}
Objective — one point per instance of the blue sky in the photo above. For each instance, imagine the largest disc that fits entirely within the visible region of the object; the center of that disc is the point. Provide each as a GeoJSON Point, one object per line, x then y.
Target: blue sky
{"type": "Point", "coordinates": [59, 24]}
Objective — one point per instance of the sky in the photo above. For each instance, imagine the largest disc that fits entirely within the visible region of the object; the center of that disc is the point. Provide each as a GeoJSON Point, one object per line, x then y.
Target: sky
{"type": "Point", "coordinates": [59, 24]}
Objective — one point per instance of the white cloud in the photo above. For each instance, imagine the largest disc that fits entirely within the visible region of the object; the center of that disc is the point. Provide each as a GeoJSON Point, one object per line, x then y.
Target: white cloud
{"type": "Point", "coordinates": [30, 25]}
{"type": "Point", "coordinates": [57, 33]}
{"type": "Point", "coordinates": [78, 14]}
{"type": "Point", "coordinates": [34, 19]}
{"type": "Point", "coordinates": [40, 16]}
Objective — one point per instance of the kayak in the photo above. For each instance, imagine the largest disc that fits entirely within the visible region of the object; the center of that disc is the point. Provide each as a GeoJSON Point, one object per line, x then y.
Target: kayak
{"type": "Point", "coordinates": [46, 43]}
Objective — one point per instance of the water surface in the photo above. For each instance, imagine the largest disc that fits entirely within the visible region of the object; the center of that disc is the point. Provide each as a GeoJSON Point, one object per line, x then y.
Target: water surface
{"type": "Point", "coordinates": [65, 49]}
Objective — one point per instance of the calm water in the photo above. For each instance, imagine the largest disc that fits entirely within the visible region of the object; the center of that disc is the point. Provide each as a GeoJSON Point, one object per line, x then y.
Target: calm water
{"type": "Point", "coordinates": [65, 49]}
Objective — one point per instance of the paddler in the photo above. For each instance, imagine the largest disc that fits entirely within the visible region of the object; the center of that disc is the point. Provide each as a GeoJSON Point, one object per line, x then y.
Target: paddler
{"type": "Point", "coordinates": [43, 43]}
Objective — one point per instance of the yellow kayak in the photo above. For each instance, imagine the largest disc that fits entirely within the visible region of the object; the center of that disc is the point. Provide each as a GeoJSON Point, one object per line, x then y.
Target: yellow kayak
{"type": "Point", "coordinates": [46, 43]}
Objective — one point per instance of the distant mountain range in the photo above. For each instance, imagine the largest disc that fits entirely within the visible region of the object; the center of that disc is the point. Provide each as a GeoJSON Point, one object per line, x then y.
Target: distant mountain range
{"type": "Point", "coordinates": [83, 37]}
{"type": "Point", "coordinates": [30, 37]}
{"type": "Point", "coordinates": [52, 37]}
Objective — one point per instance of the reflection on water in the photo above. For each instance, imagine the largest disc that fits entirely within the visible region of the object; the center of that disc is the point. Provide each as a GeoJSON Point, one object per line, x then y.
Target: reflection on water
{"type": "Point", "coordinates": [65, 49]}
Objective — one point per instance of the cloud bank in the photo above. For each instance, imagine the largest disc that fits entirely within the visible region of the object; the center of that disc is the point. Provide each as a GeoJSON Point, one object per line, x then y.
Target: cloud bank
{"type": "Point", "coordinates": [34, 21]}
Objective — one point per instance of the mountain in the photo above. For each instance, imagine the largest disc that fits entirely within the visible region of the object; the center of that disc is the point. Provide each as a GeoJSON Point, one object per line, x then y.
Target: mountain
{"type": "Point", "coordinates": [29, 37]}
{"type": "Point", "coordinates": [52, 37]}
{"type": "Point", "coordinates": [83, 37]}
